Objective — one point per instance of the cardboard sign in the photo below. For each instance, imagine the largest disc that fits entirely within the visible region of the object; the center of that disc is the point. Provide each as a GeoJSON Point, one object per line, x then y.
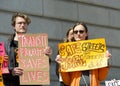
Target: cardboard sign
{"type": "Point", "coordinates": [83, 55]}
{"type": "Point", "coordinates": [112, 83]}
{"type": "Point", "coordinates": [33, 60]}
{"type": "Point", "coordinates": [2, 50]}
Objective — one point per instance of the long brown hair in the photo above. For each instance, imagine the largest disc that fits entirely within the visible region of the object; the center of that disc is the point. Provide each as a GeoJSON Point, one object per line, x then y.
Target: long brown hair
{"type": "Point", "coordinates": [66, 39]}
{"type": "Point", "coordinates": [84, 25]}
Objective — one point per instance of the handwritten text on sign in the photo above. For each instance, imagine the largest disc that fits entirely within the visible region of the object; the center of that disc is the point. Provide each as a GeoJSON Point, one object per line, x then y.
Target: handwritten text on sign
{"type": "Point", "coordinates": [113, 82]}
{"type": "Point", "coordinates": [2, 54]}
{"type": "Point", "coordinates": [1, 78]}
{"type": "Point", "coordinates": [2, 50]}
{"type": "Point", "coordinates": [33, 60]}
{"type": "Point", "coordinates": [83, 55]}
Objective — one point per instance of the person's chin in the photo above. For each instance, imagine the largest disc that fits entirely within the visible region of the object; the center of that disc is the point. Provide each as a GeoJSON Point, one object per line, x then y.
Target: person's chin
{"type": "Point", "coordinates": [21, 32]}
{"type": "Point", "coordinates": [78, 39]}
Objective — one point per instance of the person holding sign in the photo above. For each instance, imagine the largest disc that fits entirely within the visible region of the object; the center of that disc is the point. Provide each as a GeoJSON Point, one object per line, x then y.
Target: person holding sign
{"type": "Point", "coordinates": [84, 78]}
{"type": "Point", "coordinates": [20, 23]}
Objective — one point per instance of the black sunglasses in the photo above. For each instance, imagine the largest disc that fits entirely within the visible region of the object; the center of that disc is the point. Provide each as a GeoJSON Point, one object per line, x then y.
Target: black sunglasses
{"type": "Point", "coordinates": [80, 31]}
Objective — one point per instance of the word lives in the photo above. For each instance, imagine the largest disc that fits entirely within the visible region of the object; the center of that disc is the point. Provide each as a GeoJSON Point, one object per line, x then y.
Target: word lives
{"type": "Point", "coordinates": [35, 77]}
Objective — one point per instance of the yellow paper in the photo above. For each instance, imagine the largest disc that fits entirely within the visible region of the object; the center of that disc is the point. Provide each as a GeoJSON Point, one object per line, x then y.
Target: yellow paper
{"type": "Point", "coordinates": [83, 55]}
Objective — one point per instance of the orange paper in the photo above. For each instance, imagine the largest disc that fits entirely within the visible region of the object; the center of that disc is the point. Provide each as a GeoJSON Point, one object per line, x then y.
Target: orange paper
{"type": "Point", "coordinates": [1, 79]}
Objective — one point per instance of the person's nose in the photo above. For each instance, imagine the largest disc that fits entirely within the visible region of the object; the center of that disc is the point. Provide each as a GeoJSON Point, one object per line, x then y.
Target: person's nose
{"type": "Point", "coordinates": [78, 33]}
{"type": "Point", "coordinates": [22, 24]}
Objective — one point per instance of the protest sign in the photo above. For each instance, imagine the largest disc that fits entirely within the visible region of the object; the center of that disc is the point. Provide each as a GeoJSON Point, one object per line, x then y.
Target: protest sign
{"type": "Point", "coordinates": [113, 82]}
{"type": "Point", "coordinates": [5, 67]}
{"type": "Point", "coordinates": [2, 53]}
{"type": "Point", "coordinates": [33, 60]}
{"type": "Point", "coordinates": [2, 50]}
{"type": "Point", "coordinates": [5, 63]}
{"type": "Point", "coordinates": [83, 55]}
{"type": "Point", "coordinates": [1, 78]}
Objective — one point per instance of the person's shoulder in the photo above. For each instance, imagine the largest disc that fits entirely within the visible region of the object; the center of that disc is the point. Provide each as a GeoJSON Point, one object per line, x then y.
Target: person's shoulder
{"type": "Point", "coordinates": [11, 37]}
{"type": "Point", "coordinates": [8, 41]}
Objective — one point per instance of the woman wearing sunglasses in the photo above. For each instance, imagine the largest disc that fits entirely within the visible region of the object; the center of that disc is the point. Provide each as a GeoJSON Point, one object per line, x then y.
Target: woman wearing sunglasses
{"type": "Point", "coordinates": [89, 77]}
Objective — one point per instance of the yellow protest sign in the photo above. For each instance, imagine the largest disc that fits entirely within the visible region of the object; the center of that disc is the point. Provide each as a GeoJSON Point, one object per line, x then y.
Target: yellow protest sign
{"type": "Point", "coordinates": [83, 55]}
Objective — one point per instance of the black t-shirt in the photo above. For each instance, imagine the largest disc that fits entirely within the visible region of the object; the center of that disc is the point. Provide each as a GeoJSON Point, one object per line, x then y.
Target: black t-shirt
{"type": "Point", "coordinates": [16, 53]}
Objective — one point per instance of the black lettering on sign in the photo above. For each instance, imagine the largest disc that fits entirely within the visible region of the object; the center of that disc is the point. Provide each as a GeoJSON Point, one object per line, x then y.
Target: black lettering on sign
{"type": "Point", "coordinates": [95, 47]}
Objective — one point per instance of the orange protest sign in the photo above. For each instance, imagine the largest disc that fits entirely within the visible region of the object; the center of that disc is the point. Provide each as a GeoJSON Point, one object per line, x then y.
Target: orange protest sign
{"type": "Point", "coordinates": [33, 60]}
{"type": "Point", "coordinates": [1, 78]}
{"type": "Point", "coordinates": [83, 55]}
